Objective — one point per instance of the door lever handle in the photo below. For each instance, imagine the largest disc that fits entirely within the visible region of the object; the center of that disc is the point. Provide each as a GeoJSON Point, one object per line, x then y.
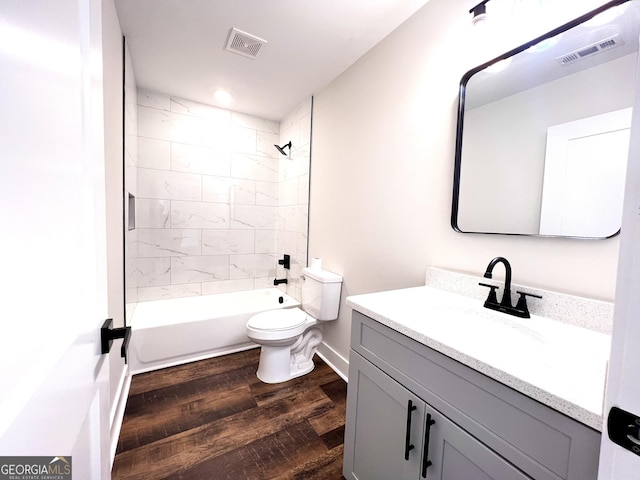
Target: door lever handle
{"type": "Point", "coordinates": [624, 429]}
{"type": "Point", "coordinates": [108, 334]}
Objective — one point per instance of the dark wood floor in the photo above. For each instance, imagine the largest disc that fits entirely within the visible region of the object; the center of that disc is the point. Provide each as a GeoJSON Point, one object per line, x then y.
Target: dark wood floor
{"type": "Point", "coordinates": [214, 419]}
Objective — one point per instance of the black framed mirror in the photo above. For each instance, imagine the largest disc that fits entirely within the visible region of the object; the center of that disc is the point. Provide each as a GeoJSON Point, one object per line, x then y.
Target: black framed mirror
{"type": "Point", "coordinates": [543, 131]}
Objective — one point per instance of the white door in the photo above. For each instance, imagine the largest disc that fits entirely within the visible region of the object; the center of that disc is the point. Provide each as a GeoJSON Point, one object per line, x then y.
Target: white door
{"type": "Point", "coordinates": [54, 381]}
{"type": "Point", "coordinates": [584, 172]}
{"type": "Point", "coordinates": [623, 381]}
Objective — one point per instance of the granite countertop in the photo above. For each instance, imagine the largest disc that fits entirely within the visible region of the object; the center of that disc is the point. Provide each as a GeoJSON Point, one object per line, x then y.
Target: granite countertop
{"type": "Point", "coordinates": [560, 365]}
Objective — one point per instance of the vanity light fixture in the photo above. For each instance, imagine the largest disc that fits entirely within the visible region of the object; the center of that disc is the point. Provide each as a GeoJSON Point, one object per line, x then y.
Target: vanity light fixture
{"type": "Point", "coordinates": [479, 12]}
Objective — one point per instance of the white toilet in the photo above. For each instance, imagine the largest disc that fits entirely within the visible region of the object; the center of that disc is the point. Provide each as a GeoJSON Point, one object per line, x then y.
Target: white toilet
{"type": "Point", "coordinates": [289, 337]}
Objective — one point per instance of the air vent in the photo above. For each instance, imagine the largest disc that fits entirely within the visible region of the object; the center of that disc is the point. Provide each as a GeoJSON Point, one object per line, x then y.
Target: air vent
{"type": "Point", "coordinates": [244, 43]}
{"type": "Point", "coordinates": [602, 45]}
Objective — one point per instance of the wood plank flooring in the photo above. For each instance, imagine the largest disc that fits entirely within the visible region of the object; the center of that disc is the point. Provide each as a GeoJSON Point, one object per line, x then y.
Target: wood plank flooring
{"type": "Point", "coordinates": [214, 419]}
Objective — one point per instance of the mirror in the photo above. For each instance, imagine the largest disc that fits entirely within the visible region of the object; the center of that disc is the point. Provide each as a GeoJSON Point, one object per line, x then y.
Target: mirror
{"type": "Point", "coordinates": [543, 131]}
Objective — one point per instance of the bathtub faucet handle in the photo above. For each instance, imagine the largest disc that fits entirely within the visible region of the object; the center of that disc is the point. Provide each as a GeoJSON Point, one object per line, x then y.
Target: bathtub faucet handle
{"type": "Point", "coordinates": [285, 262]}
{"type": "Point", "coordinates": [278, 281]}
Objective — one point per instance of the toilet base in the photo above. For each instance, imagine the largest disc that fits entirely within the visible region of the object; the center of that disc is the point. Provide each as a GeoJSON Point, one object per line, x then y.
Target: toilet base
{"type": "Point", "coordinates": [299, 370]}
{"type": "Point", "coordinates": [275, 365]}
{"type": "Point", "coordinates": [279, 364]}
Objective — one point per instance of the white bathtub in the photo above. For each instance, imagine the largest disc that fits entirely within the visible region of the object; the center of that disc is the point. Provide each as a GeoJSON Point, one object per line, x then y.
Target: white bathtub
{"type": "Point", "coordinates": [170, 332]}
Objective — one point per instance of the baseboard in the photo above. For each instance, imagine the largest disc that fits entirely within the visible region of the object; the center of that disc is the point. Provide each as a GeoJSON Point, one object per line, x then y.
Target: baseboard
{"type": "Point", "coordinates": [337, 362]}
{"type": "Point", "coordinates": [117, 413]}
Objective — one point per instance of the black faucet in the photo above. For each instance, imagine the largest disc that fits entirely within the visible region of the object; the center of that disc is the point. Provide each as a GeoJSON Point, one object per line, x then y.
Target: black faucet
{"type": "Point", "coordinates": [521, 309]}
{"type": "Point", "coordinates": [506, 296]}
{"type": "Point", "coordinates": [285, 262]}
{"type": "Point", "coordinates": [278, 281]}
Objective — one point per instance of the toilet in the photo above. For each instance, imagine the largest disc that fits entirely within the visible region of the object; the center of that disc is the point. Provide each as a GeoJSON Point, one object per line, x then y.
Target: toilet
{"type": "Point", "coordinates": [289, 337]}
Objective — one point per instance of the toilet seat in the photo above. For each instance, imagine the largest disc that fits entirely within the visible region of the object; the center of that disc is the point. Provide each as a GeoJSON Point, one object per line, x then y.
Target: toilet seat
{"type": "Point", "coordinates": [279, 324]}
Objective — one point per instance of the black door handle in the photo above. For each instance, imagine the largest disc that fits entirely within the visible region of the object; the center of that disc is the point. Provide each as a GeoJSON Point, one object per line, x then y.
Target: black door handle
{"type": "Point", "coordinates": [108, 334]}
{"type": "Point", "coordinates": [407, 438]}
{"type": "Point", "coordinates": [426, 463]}
{"type": "Point", "coordinates": [624, 429]}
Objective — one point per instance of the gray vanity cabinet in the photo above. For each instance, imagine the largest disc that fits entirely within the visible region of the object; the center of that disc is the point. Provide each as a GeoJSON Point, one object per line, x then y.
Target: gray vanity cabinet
{"type": "Point", "coordinates": [396, 435]}
{"type": "Point", "coordinates": [483, 430]}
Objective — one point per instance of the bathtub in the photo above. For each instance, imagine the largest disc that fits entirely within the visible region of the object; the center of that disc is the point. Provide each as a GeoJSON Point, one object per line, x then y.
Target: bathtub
{"type": "Point", "coordinates": [170, 332]}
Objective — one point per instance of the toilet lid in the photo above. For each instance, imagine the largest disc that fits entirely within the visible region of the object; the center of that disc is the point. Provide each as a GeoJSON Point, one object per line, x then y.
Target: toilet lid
{"type": "Point", "coordinates": [278, 319]}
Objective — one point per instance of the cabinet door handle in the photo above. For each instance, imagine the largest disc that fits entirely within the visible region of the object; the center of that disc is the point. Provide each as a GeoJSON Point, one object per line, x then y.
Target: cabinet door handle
{"type": "Point", "coordinates": [407, 439]}
{"type": "Point", "coordinates": [426, 463]}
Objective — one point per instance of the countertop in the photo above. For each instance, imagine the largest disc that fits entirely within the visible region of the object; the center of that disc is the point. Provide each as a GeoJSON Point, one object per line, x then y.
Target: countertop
{"type": "Point", "coordinates": [560, 365]}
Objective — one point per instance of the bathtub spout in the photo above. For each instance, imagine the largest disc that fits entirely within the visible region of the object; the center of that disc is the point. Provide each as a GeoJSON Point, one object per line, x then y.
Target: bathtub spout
{"type": "Point", "coordinates": [278, 281]}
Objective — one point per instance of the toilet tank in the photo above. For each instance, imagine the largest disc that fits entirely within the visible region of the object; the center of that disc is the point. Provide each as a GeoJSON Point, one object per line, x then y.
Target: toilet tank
{"type": "Point", "coordinates": [321, 293]}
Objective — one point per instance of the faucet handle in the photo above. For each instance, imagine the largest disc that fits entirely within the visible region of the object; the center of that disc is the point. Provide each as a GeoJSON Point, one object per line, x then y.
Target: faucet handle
{"type": "Point", "coordinates": [493, 297]}
{"type": "Point", "coordinates": [522, 302]}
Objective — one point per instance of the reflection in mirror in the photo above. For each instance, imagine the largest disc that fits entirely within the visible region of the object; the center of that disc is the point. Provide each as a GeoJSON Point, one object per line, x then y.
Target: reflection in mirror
{"type": "Point", "coordinates": [543, 131]}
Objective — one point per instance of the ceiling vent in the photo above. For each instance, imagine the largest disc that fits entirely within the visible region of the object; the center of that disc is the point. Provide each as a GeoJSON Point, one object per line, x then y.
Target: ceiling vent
{"type": "Point", "coordinates": [601, 46]}
{"type": "Point", "coordinates": [244, 43]}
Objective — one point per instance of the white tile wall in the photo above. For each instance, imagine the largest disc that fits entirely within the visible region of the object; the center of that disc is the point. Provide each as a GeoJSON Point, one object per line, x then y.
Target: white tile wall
{"type": "Point", "coordinates": [200, 268]}
{"type": "Point", "coordinates": [153, 213]}
{"type": "Point", "coordinates": [217, 204]}
{"type": "Point", "coordinates": [225, 242]}
{"type": "Point", "coordinates": [154, 271]}
{"type": "Point", "coordinates": [169, 185]}
{"type": "Point", "coordinates": [170, 242]}
{"type": "Point", "coordinates": [293, 194]}
{"type": "Point", "coordinates": [197, 159]}
{"type": "Point", "coordinates": [173, 127]}
{"type": "Point", "coordinates": [255, 167]}
{"type": "Point", "coordinates": [154, 153]}
{"type": "Point", "coordinates": [131, 163]}
{"type": "Point", "coordinates": [199, 215]}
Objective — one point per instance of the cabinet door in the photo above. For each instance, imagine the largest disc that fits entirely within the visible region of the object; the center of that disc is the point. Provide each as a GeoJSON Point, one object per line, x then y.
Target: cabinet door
{"type": "Point", "coordinates": [383, 442]}
{"type": "Point", "coordinates": [456, 455]}
{"type": "Point", "coordinates": [377, 426]}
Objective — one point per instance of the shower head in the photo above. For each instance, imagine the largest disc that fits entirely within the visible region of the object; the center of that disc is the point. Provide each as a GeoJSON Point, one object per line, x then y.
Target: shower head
{"type": "Point", "coordinates": [281, 149]}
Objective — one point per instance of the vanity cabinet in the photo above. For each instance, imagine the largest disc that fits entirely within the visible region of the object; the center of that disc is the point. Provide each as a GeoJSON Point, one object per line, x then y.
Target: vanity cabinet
{"type": "Point", "coordinates": [397, 435]}
{"type": "Point", "coordinates": [414, 413]}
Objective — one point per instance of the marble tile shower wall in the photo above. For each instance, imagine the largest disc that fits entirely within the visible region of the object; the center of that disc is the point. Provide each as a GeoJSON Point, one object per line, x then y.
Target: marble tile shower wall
{"type": "Point", "coordinates": [131, 181]}
{"type": "Point", "coordinates": [208, 188]}
{"type": "Point", "coordinates": [293, 194]}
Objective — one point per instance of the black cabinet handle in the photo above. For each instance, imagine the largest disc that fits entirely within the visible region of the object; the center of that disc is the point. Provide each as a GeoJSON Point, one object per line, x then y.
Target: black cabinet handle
{"type": "Point", "coordinates": [407, 439]}
{"type": "Point", "coordinates": [426, 463]}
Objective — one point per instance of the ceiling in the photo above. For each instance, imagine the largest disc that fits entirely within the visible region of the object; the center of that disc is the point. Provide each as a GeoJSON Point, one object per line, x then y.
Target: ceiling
{"type": "Point", "coordinates": [534, 67]}
{"type": "Point", "coordinates": [178, 46]}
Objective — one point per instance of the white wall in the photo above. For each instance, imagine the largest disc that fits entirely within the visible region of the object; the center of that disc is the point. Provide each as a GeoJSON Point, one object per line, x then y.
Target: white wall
{"type": "Point", "coordinates": [382, 172]}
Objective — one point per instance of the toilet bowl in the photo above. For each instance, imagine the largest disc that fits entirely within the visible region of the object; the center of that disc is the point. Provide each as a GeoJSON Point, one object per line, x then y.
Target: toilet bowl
{"type": "Point", "coordinates": [290, 337]}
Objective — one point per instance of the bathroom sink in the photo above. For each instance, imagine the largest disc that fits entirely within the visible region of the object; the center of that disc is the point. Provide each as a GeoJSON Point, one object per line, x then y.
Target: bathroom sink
{"type": "Point", "coordinates": [562, 364]}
